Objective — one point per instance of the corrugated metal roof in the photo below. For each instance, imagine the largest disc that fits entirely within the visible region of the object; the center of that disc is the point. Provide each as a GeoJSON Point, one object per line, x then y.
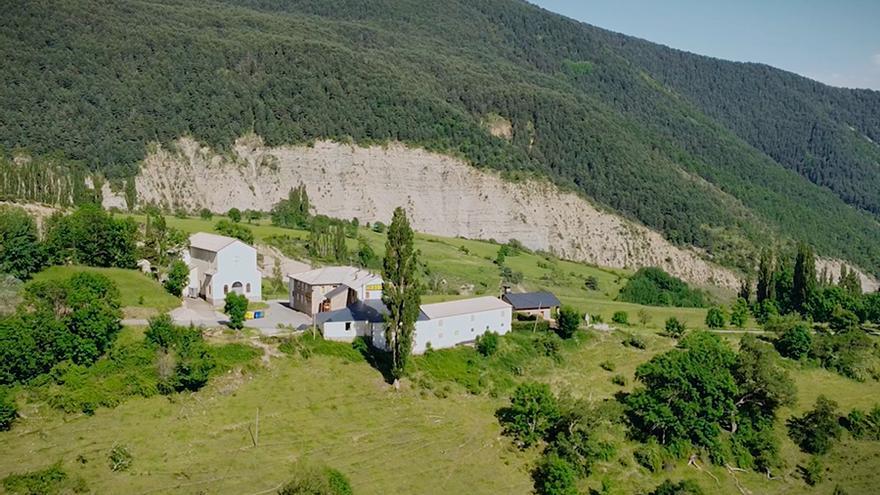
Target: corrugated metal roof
{"type": "Point", "coordinates": [463, 306]}
{"type": "Point", "coordinates": [531, 300]}
{"type": "Point", "coordinates": [210, 242]}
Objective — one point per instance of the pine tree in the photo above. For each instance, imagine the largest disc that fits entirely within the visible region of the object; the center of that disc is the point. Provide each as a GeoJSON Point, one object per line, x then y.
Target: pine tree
{"type": "Point", "coordinates": [401, 291]}
{"type": "Point", "coordinates": [804, 280]}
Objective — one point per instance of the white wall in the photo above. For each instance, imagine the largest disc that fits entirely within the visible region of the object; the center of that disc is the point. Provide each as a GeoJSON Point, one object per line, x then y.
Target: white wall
{"type": "Point", "coordinates": [453, 330]}
{"type": "Point", "coordinates": [336, 330]}
{"type": "Point", "coordinates": [237, 262]}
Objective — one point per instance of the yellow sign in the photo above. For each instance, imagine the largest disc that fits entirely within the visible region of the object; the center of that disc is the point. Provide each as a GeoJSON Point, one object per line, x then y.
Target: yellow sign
{"type": "Point", "coordinates": [374, 287]}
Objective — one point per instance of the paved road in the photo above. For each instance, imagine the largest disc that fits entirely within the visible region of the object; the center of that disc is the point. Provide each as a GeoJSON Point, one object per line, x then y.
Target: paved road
{"type": "Point", "coordinates": [279, 317]}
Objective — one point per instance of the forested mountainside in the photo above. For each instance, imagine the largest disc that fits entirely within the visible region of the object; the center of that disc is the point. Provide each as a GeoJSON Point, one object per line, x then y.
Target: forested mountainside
{"type": "Point", "coordinates": [714, 154]}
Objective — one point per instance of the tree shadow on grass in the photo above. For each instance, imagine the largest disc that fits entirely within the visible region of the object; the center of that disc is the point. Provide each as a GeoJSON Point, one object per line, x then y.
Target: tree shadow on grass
{"type": "Point", "coordinates": [377, 358]}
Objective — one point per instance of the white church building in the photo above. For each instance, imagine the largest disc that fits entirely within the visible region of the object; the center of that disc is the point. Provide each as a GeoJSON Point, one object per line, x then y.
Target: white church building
{"type": "Point", "coordinates": [219, 265]}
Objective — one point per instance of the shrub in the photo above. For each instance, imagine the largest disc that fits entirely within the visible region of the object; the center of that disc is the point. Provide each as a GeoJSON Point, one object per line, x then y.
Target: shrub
{"type": "Point", "coordinates": [50, 481]}
{"type": "Point", "coordinates": [864, 426]}
{"type": "Point", "coordinates": [568, 319]}
{"type": "Point", "coordinates": [379, 227]}
{"type": "Point", "coordinates": [487, 344]}
{"type": "Point", "coordinates": [525, 317]}
{"type": "Point", "coordinates": [178, 276]}
{"type": "Point", "coordinates": [635, 342]}
{"type": "Point", "coordinates": [739, 313]}
{"type": "Point", "coordinates": [619, 380]}
{"type": "Point", "coordinates": [240, 232]}
{"type": "Point", "coordinates": [530, 326]}
{"type": "Point", "coordinates": [235, 307]}
{"type": "Point", "coordinates": [549, 344]}
{"type": "Point", "coordinates": [683, 487]}
{"type": "Point", "coordinates": [649, 456]}
{"type": "Point", "coordinates": [205, 214]}
{"type": "Point", "coordinates": [716, 318]}
{"type": "Point", "coordinates": [644, 317]}
{"type": "Point", "coordinates": [8, 411]}
{"type": "Point", "coordinates": [591, 283]}
{"type": "Point", "coordinates": [813, 472]}
{"type": "Point", "coordinates": [597, 318]}
{"type": "Point", "coordinates": [675, 328]}
{"type": "Point", "coordinates": [532, 412]}
{"type": "Point", "coordinates": [607, 365]}
{"type": "Point", "coordinates": [554, 476]}
{"type": "Point", "coordinates": [621, 317]}
{"type": "Point", "coordinates": [120, 458]}
{"type": "Point", "coordinates": [234, 214]}
{"type": "Point", "coordinates": [816, 431]}
{"type": "Point", "coordinates": [316, 480]}
{"type": "Point", "coordinates": [795, 342]}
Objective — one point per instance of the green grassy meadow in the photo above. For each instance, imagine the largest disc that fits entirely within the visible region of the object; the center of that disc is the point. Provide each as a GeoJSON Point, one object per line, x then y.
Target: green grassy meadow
{"type": "Point", "coordinates": [338, 411]}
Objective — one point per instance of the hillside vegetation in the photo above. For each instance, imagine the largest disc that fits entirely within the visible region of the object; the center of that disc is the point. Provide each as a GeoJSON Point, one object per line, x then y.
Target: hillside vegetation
{"type": "Point", "coordinates": [633, 125]}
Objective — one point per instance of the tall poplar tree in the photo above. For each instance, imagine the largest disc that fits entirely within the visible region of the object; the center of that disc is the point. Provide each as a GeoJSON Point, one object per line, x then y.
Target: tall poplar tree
{"type": "Point", "coordinates": [401, 291]}
{"type": "Point", "coordinates": [765, 287]}
{"type": "Point", "coordinates": [804, 281]}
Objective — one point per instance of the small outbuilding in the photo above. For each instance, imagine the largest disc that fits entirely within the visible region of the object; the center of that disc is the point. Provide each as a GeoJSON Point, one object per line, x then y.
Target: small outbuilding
{"type": "Point", "coordinates": [542, 304]}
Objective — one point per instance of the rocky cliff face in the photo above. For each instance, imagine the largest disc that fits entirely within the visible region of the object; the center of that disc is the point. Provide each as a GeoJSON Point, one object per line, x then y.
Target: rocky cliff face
{"type": "Point", "coordinates": [442, 195]}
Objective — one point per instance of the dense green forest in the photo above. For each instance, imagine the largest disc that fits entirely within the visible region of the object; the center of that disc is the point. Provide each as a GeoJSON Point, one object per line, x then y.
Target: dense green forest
{"type": "Point", "coordinates": [714, 154]}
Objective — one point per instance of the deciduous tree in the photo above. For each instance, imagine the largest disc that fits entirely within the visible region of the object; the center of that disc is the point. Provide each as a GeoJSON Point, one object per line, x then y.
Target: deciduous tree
{"type": "Point", "coordinates": [401, 292]}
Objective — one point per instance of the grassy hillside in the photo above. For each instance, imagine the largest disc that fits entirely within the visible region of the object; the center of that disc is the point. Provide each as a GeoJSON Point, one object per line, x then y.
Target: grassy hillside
{"type": "Point", "coordinates": [720, 168]}
{"type": "Point", "coordinates": [339, 411]}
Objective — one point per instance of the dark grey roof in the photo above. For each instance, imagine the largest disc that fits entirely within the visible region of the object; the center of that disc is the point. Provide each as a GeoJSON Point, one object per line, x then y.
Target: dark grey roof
{"type": "Point", "coordinates": [531, 300]}
{"type": "Point", "coordinates": [371, 310]}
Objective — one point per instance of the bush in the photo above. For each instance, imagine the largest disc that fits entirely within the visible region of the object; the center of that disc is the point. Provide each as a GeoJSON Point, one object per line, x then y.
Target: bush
{"type": "Point", "coordinates": [487, 344]}
{"type": "Point", "coordinates": [238, 231]}
{"type": "Point", "coordinates": [649, 456]}
{"type": "Point", "coordinates": [813, 472]}
{"type": "Point", "coordinates": [619, 380]}
{"type": "Point", "coordinates": [716, 318]}
{"type": "Point", "coordinates": [739, 313]}
{"type": "Point", "coordinates": [120, 458]}
{"type": "Point", "coordinates": [50, 481]}
{"type": "Point", "coordinates": [235, 307]}
{"type": "Point", "coordinates": [315, 480]}
{"type": "Point", "coordinates": [683, 487]}
{"type": "Point", "coordinates": [234, 214]}
{"type": "Point", "coordinates": [206, 214]}
{"type": "Point", "coordinates": [178, 276]}
{"type": "Point", "coordinates": [621, 317]}
{"type": "Point", "coordinates": [542, 326]}
{"type": "Point", "coordinates": [184, 361]}
{"type": "Point", "coordinates": [568, 319]}
{"type": "Point", "coordinates": [607, 365]}
{"type": "Point", "coordinates": [635, 342]}
{"type": "Point", "coordinates": [795, 342]}
{"type": "Point", "coordinates": [8, 411]}
{"type": "Point", "coordinates": [379, 227]}
{"type": "Point", "coordinates": [644, 317]}
{"type": "Point", "coordinates": [863, 426]}
{"type": "Point", "coordinates": [675, 328]}
{"type": "Point", "coordinates": [591, 283]}
{"type": "Point", "coordinates": [816, 431]}
{"type": "Point", "coordinates": [532, 412]}
{"type": "Point", "coordinates": [554, 476]}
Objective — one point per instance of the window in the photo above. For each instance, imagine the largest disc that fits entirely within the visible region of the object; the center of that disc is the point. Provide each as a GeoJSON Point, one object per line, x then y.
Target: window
{"type": "Point", "coordinates": [225, 289]}
{"type": "Point", "coordinates": [347, 326]}
{"type": "Point", "coordinates": [248, 288]}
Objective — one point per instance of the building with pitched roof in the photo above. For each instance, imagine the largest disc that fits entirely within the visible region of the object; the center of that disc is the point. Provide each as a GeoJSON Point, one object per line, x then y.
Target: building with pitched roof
{"type": "Point", "coordinates": [439, 325]}
{"type": "Point", "coordinates": [219, 265]}
{"type": "Point", "coordinates": [331, 288]}
{"type": "Point", "coordinates": [543, 303]}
